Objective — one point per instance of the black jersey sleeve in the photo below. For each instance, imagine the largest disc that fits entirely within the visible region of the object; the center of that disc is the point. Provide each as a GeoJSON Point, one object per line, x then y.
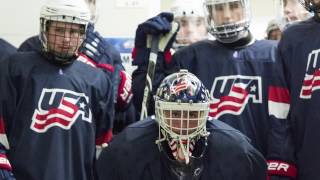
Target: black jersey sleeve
{"type": "Point", "coordinates": [104, 112]}
{"type": "Point", "coordinates": [7, 104]}
{"type": "Point", "coordinates": [281, 160]}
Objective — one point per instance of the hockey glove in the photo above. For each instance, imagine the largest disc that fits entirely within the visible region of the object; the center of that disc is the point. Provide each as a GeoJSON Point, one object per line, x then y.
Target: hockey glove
{"type": "Point", "coordinates": [124, 90]}
{"type": "Point", "coordinates": [158, 25]}
{"type": "Point", "coordinates": [5, 167]}
{"type": "Point", "coordinates": [278, 170]}
{"type": "Point", "coordinates": [103, 142]}
{"type": "Point", "coordinates": [93, 51]}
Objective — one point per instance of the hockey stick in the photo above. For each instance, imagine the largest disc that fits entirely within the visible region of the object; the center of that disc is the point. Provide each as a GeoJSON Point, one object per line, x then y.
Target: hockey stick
{"type": "Point", "coordinates": [149, 77]}
{"type": "Point", "coordinates": [158, 43]}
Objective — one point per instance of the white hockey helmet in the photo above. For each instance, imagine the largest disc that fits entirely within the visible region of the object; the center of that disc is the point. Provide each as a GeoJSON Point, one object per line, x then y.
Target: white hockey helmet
{"type": "Point", "coordinates": [67, 11]}
{"type": "Point", "coordinates": [190, 15]}
{"type": "Point", "coordinates": [182, 8]}
{"type": "Point", "coordinates": [228, 20]}
{"type": "Point", "coordinates": [182, 107]}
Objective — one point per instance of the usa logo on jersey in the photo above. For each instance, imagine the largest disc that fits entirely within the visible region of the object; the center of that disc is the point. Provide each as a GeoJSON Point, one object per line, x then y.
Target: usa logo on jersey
{"type": "Point", "coordinates": [61, 108]}
{"type": "Point", "coordinates": [311, 80]}
{"type": "Point", "coordinates": [232, 93]}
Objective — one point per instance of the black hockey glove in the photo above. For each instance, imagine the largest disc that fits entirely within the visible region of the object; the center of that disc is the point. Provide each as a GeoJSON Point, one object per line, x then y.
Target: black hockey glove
{"type": "Point", "coordinates": [93, 51]}
{"type": "Point", "coordinates": [156, 26]}
{"type": "Point", "coordinates": [159, 24]}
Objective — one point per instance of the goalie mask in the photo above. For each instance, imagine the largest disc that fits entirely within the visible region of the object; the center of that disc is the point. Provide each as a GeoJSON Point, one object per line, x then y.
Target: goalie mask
{"type": "Point", "coordinates": [63, 25]}
{"type": "Point", "coordinates": [182, 106]}
{"type": "Point", "coordinates": [228, 20]}
{"type": "Point", "coordinates": [190, 16]}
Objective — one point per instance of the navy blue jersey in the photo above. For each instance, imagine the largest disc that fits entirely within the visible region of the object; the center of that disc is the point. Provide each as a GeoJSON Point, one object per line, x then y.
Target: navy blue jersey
{"type": "Point", "coordinates": [134, 155]}
{"type": "Point", "coordinates": [6, 49]}
{"type": "Point", "coordinates": [53, 116]}
{"type": "Point", "coordinates": [299, 54]}
{"type": "Point", "coordinates": [239, 81]}
{"type": "Point", "coordinates": [31, 44]}
{"type": "Point", "coordinates": [123, 116]}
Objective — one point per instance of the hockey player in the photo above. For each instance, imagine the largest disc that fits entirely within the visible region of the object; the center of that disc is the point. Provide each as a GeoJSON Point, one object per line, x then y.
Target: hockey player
{"type": "Point", "coordinates": [34, 44]}
{"type": "Point", "coordinates": [99, 53]}
{"type": "Point", "coordinates": [180, 143]}
{"type": "Point", "coordinates": [294, 11]}
{"type": "Point", "coordinates": [189, 14]}
{"type": "Point", "coordinates": [6, 49]}
{"type": "Point", "coordinates": [273, 31]}
{"type": "Point", "coordinates": [238, 70]}
{"type": "Point", "coordinates": [54, 109]}
{"type": "Point", "coordinates": [298, 53]}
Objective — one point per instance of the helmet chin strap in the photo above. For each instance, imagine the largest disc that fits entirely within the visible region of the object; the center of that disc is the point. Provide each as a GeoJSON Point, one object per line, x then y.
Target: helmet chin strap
{"type": "Point", "coordinates": [183, 152]}
{"type": "Point", "coordinates": [181, 149]}
{"type": "Point", "coordinates": [247, 40]}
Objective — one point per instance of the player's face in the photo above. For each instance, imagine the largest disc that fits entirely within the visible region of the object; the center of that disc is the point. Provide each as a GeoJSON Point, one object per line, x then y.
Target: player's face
{"type": "Point", "coordinates": [294, 11]}
{"type": "Point", "coordinates": [192, 29]}
{"type": "Point", "coordinates": [182, 122]}
{"type": "Point", "coordinates": [227, 13]}
{"type": "Point", "coordinates": [275, 35]}
{"type": "Point", "coordinates": [64, 38]}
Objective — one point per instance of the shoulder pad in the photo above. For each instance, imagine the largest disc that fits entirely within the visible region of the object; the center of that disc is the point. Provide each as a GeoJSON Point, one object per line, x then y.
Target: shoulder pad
{"type": "Point", "coordinates": [261, 51]}
{"type": "Point", "coordinates": [217, 126]}
{"type": "Point", "coordinates": [142, 129]}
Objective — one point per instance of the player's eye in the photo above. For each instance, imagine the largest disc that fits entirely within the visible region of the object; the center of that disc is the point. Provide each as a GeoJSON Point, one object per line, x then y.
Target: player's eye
{"type": "Point", "coordinates": [193, 114]}
{"type": "Point", "coordinates": [75, 32]}
{"type": "Point", "coordinates": [176, 114]}
{"type": "Point", "coordinates": [219, 7]}
{"type": "Point", "coordinates": [234, 5]}
{"type": "Point", "coordinates": [60, 30]}
{"type": "Point", "coordinates": [183, 23]}
{"type": "Point", "coordinates": [199, 22]}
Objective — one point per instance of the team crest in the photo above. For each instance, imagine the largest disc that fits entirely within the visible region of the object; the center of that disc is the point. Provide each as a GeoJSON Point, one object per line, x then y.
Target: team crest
{"type": "Point", "coordinates": [231, 94]}
{"type": "Point", "coordinates": [61, 108]}
{"type": "Point", "coordinates": [311, 81]}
